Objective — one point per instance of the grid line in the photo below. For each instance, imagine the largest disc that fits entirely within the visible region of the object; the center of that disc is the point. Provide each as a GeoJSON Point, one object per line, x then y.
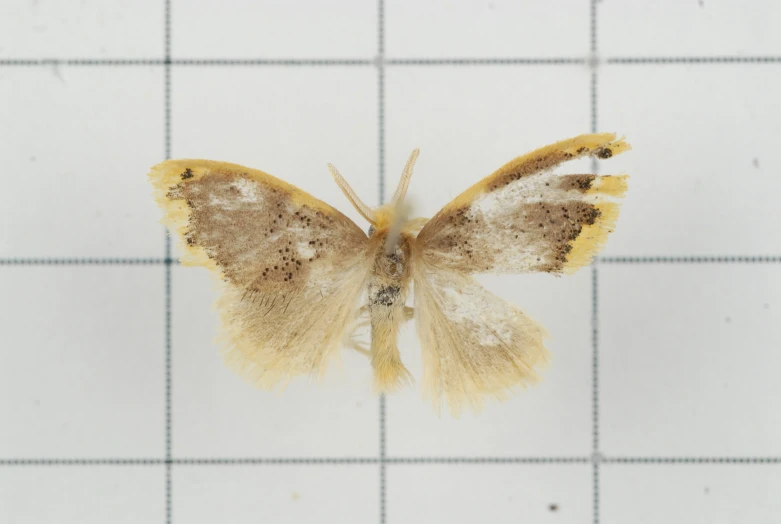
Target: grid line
{"type": "Point", "coordinates": [249, 461]}
{"type": "Point", "coordinates": [380, 63]}
{"type": "Point", "coordinates": [595, 493]}
{"type": "Point", "coordinates": [593, 26]}
{"type": "Point", "coordinates": [292, 62]}
{"type": "Point", "coordinates": [648, 259]}
{"type": "Point", "coordinates": [717, 259]}
{"type": "Point", "coordinates": [693, 460]}
{"type": "Point", "coordinates": [595, 454]}
{"type": "Point", "coordinates": [484, 61]}
{"type": "Point", "coordinates": [366, 62]}
{"type": "Point", "coordinates": [383, 461]}
{"type": "Point", "coordinates": [593, 100]}
{"type": "Point", "coordinates": [168, 318]}
{"type": "Point", "coordinates": [695, 60]}
{"type": "Point", "coordinates": [97, 261]}
{"type": "Point", "coordinates": [594, 359]}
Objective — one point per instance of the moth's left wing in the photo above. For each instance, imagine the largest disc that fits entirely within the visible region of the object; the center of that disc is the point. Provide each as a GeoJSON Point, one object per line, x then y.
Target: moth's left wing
{"type": "Point", "coordinates": [293, 268]}
{"type": "Point", "coordinates": [523, 218]}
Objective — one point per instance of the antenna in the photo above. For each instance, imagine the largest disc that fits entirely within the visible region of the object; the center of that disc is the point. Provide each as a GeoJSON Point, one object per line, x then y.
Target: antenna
{"type": "Point", "coordinates": [401, 190]}
{"type": "Point", "coordinates": [365, 211]}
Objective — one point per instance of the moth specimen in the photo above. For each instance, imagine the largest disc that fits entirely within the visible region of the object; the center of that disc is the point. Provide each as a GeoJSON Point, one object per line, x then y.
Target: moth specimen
{"type": "Point", "coordinates": [295, 272]}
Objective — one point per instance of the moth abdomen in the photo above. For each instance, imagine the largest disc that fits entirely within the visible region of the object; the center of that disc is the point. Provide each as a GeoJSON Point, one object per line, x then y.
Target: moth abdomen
{"type": "Point", "coordinates": [383, 295]}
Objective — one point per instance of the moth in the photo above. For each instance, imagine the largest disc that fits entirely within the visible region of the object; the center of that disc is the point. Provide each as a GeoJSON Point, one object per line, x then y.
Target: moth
{"type": "Point", "coordinates": [297, 276]}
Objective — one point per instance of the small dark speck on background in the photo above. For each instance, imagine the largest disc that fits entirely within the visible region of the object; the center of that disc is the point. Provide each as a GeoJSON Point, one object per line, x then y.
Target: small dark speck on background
{"type": "Point", "coordinates": [727, 319]}
{"type": "Point", "coordinates": [701, 3]}
{"type": "Point", "coordinates": [755, 162]}
{"type": "Point", "coordinates": [766, 306]}
{"type": "Point", "coordinates": [295, 495]}
{"type": "Point", "coordinates": [707, 490]}
{"type": "Point", "coordinates": [553, 507]}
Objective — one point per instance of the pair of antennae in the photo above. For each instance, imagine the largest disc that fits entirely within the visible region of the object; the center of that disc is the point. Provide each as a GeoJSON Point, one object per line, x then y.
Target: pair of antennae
{"type": "Point", "coordinates": [398, 197]}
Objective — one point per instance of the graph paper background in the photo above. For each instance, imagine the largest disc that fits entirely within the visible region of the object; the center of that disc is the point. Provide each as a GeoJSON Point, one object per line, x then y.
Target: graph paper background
{"type": "Point", "coordinates": [661, 404]}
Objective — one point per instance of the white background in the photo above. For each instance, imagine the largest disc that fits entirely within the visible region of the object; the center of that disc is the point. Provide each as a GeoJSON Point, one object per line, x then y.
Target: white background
{"type": "Point", "coordinates": [661, 403]}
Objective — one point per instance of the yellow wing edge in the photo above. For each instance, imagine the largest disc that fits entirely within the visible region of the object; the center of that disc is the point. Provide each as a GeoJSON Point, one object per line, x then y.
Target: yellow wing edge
{"type": "Point", "coordinates": [600, 145]}
{"type": "Point", "coordinates": [592, 238]}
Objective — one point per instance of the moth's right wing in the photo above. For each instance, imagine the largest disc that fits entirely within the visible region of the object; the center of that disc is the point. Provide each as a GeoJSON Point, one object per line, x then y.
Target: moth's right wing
{"type": "Point", "coordinates": [293, 269]}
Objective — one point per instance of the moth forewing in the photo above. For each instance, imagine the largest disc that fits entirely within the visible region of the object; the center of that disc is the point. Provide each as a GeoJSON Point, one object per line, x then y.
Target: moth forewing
{"type": "Point", "coordinates": [292, 268]}
{"type": "Point", "coordinates": [524, 218]}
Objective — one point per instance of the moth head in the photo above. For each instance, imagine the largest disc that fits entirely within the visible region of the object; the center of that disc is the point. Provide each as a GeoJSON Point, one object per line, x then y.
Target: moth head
{"type": "Point", "coordinates": [385, 216]}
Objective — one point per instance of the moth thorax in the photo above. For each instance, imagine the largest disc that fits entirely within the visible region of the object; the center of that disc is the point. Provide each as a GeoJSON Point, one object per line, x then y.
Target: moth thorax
{"type": "Point", "coordinates": [392, 264]}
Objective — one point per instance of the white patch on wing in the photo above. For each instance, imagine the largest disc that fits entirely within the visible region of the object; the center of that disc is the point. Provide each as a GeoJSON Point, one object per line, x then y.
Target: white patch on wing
{"type": "Point", "coordinates": [473, 307]}
{"type": "Point", "coordinates": [305, 250]}
{"type": "Point", "coordinates": [248, 193]}
{"type": "Point", "coordinates": [498, 210]}
{"type": "Point", "coordinates": [528, 190]}
{"type": "Point", "coordinates": [247, 190]}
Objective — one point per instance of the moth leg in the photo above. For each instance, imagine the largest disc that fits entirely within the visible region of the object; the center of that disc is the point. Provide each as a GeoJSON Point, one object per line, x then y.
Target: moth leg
{"type": "Point", "coordinates": [409, 313]}
{"type": "Point", "coordinates": [360, 348]}
{"type": "Point", "coordinates": [363, 321]}
{"type": "Point", "coordinates": [416, 224]}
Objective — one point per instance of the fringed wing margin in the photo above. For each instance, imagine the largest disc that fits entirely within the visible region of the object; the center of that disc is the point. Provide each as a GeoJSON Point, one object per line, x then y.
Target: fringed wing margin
{"type": "Point", "coordinates": [475, 345]}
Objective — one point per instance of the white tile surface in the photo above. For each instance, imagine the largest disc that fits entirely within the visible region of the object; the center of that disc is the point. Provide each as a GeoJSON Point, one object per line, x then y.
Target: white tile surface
{"type": "Point", "coordinates": [275, 29]}
{"type": "Point", "coordinates": [489, 493]}
{"type": "Point", "coordinates": [703, 161]}
{"type": "Point", "coordinates": [697, 28]}
{"type": "Point", "coordinates": [81, 364]}
{"type": "Point", "coordinates": [694, 493]}
{"type": "Point", "coordinates": [687, 352]}
{"type": "Point", "coordinates": [81, 29]}
{"type": "Point", "coordinates": [300, 493]}
{"type": "Point", "coordinates": [215, 413]}
{"type": "Point", "coordinates": [688, 355]}
{"type": "Point", "coordinates": [484, 29]}
{"type": "Point", "coordinates": [551, 419]}
{"type": "Point", "coordinates": [82, 494]}
{"type": "Point", "coordinates": [77, 144]}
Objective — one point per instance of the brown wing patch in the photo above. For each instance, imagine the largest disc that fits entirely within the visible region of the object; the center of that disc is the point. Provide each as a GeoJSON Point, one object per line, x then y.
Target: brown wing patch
{"type": "Point", "coordinates": [258, 231]}
{"type": "Point", "coordinates": [529, 237]}
{"type": "Point", "coordinates": [254, 234]}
